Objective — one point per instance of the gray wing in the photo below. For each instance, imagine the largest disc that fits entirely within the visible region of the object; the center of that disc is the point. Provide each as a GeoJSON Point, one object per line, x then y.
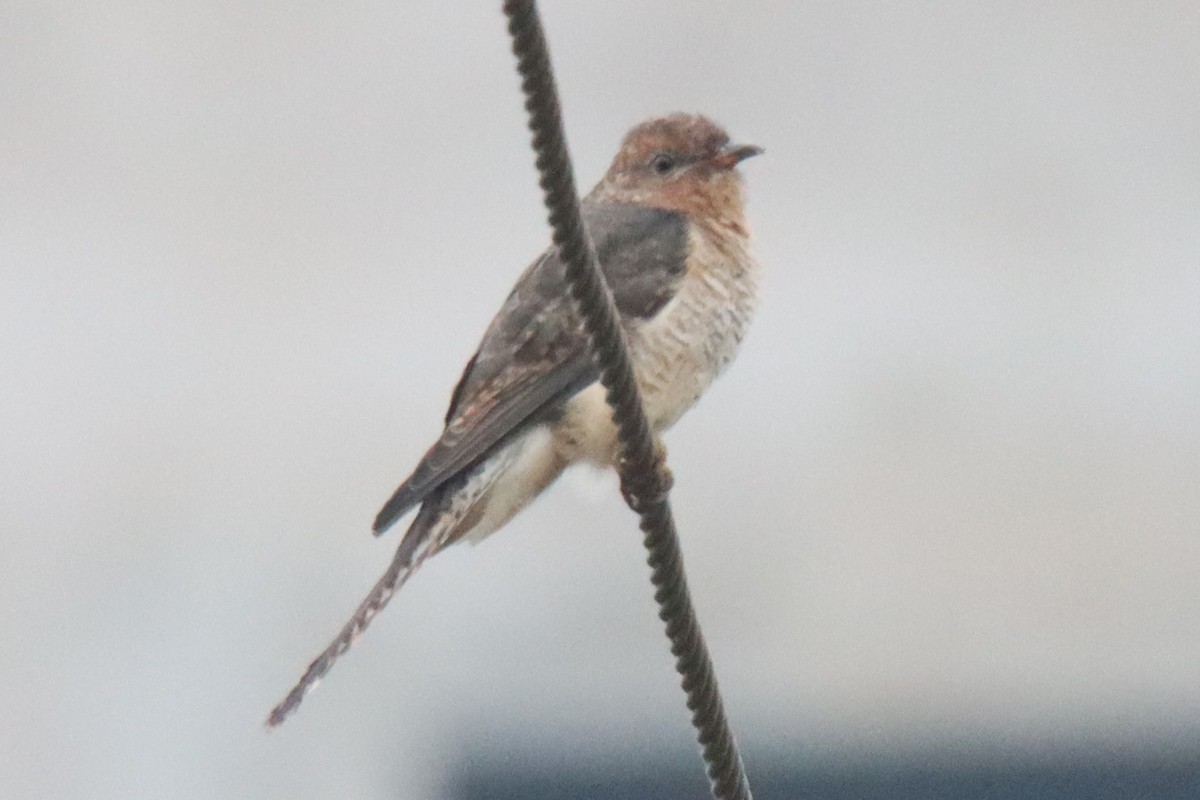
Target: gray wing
{"type": "Point", "coordinates": [534, 355]}
{"type": "Point", "coordinates": [642, 252]}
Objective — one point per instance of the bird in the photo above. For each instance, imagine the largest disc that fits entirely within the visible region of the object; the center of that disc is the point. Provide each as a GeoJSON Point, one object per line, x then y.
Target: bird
{"type": "Point", "coordinates": [669, 230]}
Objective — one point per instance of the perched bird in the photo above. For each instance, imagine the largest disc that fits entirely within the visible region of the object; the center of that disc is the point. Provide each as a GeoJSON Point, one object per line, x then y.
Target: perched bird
{"type": "Point", "coordinates": [669, 231]}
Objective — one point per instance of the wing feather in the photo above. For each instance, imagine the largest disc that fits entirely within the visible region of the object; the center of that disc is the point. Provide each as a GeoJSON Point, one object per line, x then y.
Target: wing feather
{"type": "Point", "coordinates": [535, 353]}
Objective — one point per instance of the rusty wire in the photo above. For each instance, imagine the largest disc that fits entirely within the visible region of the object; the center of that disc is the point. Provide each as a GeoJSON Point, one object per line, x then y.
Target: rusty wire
{"type": "Point", "coordinates": [643, 472]}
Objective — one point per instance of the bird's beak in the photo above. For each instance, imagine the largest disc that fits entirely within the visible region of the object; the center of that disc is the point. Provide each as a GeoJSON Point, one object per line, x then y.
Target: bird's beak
{"type": "Point", "coordinates": [733, 154]}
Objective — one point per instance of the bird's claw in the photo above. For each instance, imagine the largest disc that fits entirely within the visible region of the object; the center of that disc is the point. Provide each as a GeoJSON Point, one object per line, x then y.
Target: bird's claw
{"type": "Point", "coordinates": [649, 487]}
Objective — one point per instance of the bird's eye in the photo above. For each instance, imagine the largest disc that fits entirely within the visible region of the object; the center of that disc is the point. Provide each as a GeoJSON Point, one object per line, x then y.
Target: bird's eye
{"type": "Point", "coordinates": [662, 163]}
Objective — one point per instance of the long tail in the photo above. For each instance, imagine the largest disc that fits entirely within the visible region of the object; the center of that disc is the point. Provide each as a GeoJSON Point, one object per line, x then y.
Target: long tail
{"type": "Point", "coordinates": [416, 546]}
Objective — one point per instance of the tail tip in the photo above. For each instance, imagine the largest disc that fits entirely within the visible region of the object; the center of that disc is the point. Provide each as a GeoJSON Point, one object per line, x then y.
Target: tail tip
{"type": "Point", "coordinates": [289, 704]}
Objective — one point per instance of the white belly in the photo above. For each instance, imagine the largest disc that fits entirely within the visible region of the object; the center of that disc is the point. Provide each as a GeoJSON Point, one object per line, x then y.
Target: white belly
{"type": "Point", "coordinates": [684, 348]}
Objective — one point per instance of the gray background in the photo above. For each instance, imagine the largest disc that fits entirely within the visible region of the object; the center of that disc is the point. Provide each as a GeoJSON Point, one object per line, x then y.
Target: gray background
{"type": "Point", "coordinates": [946, 498]}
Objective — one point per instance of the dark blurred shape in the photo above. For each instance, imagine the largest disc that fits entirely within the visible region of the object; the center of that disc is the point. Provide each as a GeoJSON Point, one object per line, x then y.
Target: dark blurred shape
{"type": "Point", "coordinates": [1073, 778]}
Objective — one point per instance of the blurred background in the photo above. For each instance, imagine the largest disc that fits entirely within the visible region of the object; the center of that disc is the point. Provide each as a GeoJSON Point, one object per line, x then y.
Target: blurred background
{"type": "Point", "coordinates": [941, 517]}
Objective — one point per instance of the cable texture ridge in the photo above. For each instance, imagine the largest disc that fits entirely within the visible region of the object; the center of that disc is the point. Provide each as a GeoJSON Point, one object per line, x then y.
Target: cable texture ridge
{"type": "Point", "coordinates": [641, 466]}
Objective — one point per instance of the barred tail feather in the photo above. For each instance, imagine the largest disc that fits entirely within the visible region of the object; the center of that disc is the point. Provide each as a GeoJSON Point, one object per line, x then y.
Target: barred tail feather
{"type": "Point", "coordinates": [418, 544]}
{"type": "Point", "coordinates": [453, 510]}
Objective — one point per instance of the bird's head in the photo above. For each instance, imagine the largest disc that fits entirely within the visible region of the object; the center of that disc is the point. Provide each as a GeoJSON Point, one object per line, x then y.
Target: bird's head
{"type": "Point", "coordinates": [681, 162]}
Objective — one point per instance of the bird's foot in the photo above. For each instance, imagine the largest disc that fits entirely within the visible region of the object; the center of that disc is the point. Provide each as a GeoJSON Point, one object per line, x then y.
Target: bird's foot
{"type": "Point", "coordinates": [651, 486]}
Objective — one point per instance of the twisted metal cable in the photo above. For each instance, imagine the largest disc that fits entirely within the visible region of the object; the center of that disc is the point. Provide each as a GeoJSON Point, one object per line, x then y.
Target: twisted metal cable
{"type": "Point", "coordinates": [644, 478]}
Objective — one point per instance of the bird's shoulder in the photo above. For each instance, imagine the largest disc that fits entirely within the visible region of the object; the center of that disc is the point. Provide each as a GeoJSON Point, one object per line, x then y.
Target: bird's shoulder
{"type": "Point", "coordinates": [643, 254]}
{"type": "Point", "coordinates": [642, 251]}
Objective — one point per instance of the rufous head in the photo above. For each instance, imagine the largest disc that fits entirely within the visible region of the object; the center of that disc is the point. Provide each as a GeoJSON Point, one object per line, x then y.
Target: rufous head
{"type": "Point", "coordinates": [681, 162]}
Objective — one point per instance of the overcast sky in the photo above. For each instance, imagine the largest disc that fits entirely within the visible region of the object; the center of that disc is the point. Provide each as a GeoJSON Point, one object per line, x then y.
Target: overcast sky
{"type": "Point", "coordinates": [947, 496]}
